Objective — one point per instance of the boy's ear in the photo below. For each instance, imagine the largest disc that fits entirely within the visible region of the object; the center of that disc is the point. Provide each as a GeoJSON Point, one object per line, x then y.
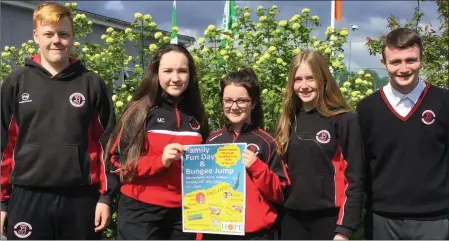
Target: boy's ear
{"type": "Point", "coordinates": [382, 61]}
{"type": "Point", "coordinates": [36, 39]}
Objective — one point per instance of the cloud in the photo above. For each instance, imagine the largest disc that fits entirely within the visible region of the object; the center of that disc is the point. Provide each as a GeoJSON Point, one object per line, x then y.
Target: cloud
{"type": "Point", "coordinates": [193, 17]}
{"type": "Point", "coordinates": [191, 32]}
{"type": "Point", "coordinates": [357, 56]}
{"type": "Point", "coordinates": [113, 5]}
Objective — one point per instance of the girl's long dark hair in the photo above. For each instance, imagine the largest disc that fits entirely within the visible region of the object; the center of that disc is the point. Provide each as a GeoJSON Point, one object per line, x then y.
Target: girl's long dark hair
{"type": "Point", "coordinates": [130, 128]}
{"type": "Point", "coordinates": [247, 78]}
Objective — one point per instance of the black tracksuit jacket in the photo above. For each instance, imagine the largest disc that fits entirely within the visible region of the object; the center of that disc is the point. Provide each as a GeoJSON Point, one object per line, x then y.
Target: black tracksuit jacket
{"type": "Point", "coordinates": [325, 166]}
{"type": "Point", "coordinates": [54, 129]}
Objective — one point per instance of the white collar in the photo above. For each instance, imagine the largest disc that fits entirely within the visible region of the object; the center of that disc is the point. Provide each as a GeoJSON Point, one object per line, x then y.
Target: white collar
{"type": "Point", "coordinates": [395, 96]}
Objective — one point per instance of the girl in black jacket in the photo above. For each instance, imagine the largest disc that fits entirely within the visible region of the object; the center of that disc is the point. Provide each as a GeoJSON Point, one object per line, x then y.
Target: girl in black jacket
{"type": "Point", "coordinates": [320, 137]}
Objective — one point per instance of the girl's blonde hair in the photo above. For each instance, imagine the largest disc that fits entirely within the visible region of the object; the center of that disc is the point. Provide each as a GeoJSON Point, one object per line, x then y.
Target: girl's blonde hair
{"type": "Point", "coordinates": [330, 100]}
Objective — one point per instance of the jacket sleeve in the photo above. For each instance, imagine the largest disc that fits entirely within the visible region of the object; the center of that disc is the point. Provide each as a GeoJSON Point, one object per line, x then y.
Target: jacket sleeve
{"type": "Point", "coordinates": [363, 118]}
{"type": "Point", "coordinates": [147, 165]}
{"type": "Point", "coordinates": [114, 161]}
{"type": "Point", "coordinates": [151, 163]}
{"type": "Point", "coordinates": [351, 146]}
{"type": "Point", "coordinates": [104, 120]}
{"type": "Point", "coordinates": [270, 177]}
{"type": "Point", "coordinates": [9, 130]}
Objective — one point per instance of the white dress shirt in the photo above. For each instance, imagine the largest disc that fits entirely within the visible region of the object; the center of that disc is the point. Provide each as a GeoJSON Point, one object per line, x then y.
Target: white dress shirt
{"type": "Point", "coordinates": [401, 103]}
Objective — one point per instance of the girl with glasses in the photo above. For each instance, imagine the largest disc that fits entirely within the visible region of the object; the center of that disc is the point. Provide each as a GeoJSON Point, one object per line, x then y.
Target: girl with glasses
{"type": "Point", "coordinates": [266, 174]}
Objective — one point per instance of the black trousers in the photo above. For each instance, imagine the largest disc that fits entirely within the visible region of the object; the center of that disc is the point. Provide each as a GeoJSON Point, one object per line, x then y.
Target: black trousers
{"type": "Point", "coordinates": [143, 221]}
{"type": "Point", "coordinates": [261, 235]}
{"type": "Point", "coordinates": [299, 225]}
{"type": "Point", "coordinates": [380, 228]}
{"type": "Point", "coordinates": [52, 213]}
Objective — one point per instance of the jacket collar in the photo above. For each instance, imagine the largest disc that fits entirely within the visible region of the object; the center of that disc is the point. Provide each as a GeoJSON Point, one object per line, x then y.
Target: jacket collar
{"type": "Point", "coordinates": [75, 68]}
{"type": "Point", "coordinates": [169, 100]}
{"type": "Point", "coordinates": [302, 111]}
{"type": "Point", "coordinates": [246, 128]}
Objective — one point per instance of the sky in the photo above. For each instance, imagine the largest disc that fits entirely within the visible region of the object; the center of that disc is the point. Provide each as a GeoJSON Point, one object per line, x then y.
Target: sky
{"type": "Point", "coordinates": [193, 17]}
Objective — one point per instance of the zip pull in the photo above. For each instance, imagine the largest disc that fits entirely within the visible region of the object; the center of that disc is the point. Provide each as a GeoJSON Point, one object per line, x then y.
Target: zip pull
{"type": "Point", "coordinates": [178, 119]}
{"type": "Point", "coordinates": [236, 136]}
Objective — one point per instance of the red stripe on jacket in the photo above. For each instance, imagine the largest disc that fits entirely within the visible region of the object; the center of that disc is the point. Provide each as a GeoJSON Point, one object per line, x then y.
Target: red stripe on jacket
{"type": "Point", "coordinates": [215, 134]}
{"type": "Point", "coordinates": [264, 187]}
{"type": "Point", "coordinates": [153, 183]}
{"type": "Point", "coordinates": [265, 179]}
{"type": "Point", "coordinates": [37, 58]}
{"type": "Point", "coordinates": [260, 214]}
{"type": "Point", "coordinates": [8, 160]}
{"type": "Point", "coordinates": [341, 183]}
{"type": "Point", "coordinates": [95, 149]}
{"type": "Point", "coordinates": [112, 153]}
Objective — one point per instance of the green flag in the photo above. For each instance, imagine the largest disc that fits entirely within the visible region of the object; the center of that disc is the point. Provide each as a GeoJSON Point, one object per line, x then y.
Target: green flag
{"type": "Point", "coordinates": [174, 32]}
{"type": "Point", "coordinates": [229, 17]}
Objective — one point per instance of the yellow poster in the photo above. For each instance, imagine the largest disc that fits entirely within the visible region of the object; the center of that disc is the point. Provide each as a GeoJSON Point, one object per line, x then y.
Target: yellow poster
{"type": "Point", "coordinates": [213, 189]}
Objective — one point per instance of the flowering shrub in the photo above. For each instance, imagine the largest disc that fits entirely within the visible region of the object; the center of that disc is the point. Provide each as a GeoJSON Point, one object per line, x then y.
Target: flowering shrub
{"type": "Point", "coordinates": [357, 89]}
{"type": "Point", "coordinates": [266, 45]}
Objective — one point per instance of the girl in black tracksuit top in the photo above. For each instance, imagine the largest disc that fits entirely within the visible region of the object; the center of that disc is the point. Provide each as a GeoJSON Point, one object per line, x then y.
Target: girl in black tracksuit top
{"type": "Point", "coordinates": [266, 174]}
{"type": "Point", "coordinates": [320, 137]}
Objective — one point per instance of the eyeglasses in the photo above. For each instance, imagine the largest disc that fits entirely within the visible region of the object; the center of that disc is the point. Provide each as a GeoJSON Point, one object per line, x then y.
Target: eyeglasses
{"type": "Point", "coordinates": [241, 103]}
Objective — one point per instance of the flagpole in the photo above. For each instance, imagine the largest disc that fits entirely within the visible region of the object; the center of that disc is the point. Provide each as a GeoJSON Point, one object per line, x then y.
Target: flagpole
{"type": "Point", "coordinates": [332, 20]}
{"type": "Point", "coordinates": [333, 28]}
{"type": "Point", "coordinates": [173, 34]}
{"type": "Point", "coordinates": [333, 15]}
{"type": "Point", "coordinates": [224, 25]}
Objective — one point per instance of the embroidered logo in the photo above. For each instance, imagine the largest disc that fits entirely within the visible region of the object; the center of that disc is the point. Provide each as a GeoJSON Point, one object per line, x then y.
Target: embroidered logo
{"type": "Point", "coordinates": [161, 120]}
{"type": "Point", "coordinates": [22, 230]}
{"type": "Point", "coordinates": [323, 136]}
{"type": "Point", "coordinates": [77, 99]}
{"type": "Point", "coordinates": [194, 124]}
{"type": "Point", "coordinates": [253, 147]}
{"type": "Point", "coordinates": [428, 117]}
{"type": "Point", "coordinates": [25, 98]}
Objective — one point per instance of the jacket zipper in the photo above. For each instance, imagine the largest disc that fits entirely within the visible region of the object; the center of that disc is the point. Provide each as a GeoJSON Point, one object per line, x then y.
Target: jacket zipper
{"type": "Point", "coordinates": [235, 135]}
{"type": "Point", "coordinates": [178, 120]}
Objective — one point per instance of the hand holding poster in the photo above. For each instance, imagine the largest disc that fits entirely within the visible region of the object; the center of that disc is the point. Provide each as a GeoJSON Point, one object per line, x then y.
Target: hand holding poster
{"type": "Point", "coordinates": [213, 189]}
